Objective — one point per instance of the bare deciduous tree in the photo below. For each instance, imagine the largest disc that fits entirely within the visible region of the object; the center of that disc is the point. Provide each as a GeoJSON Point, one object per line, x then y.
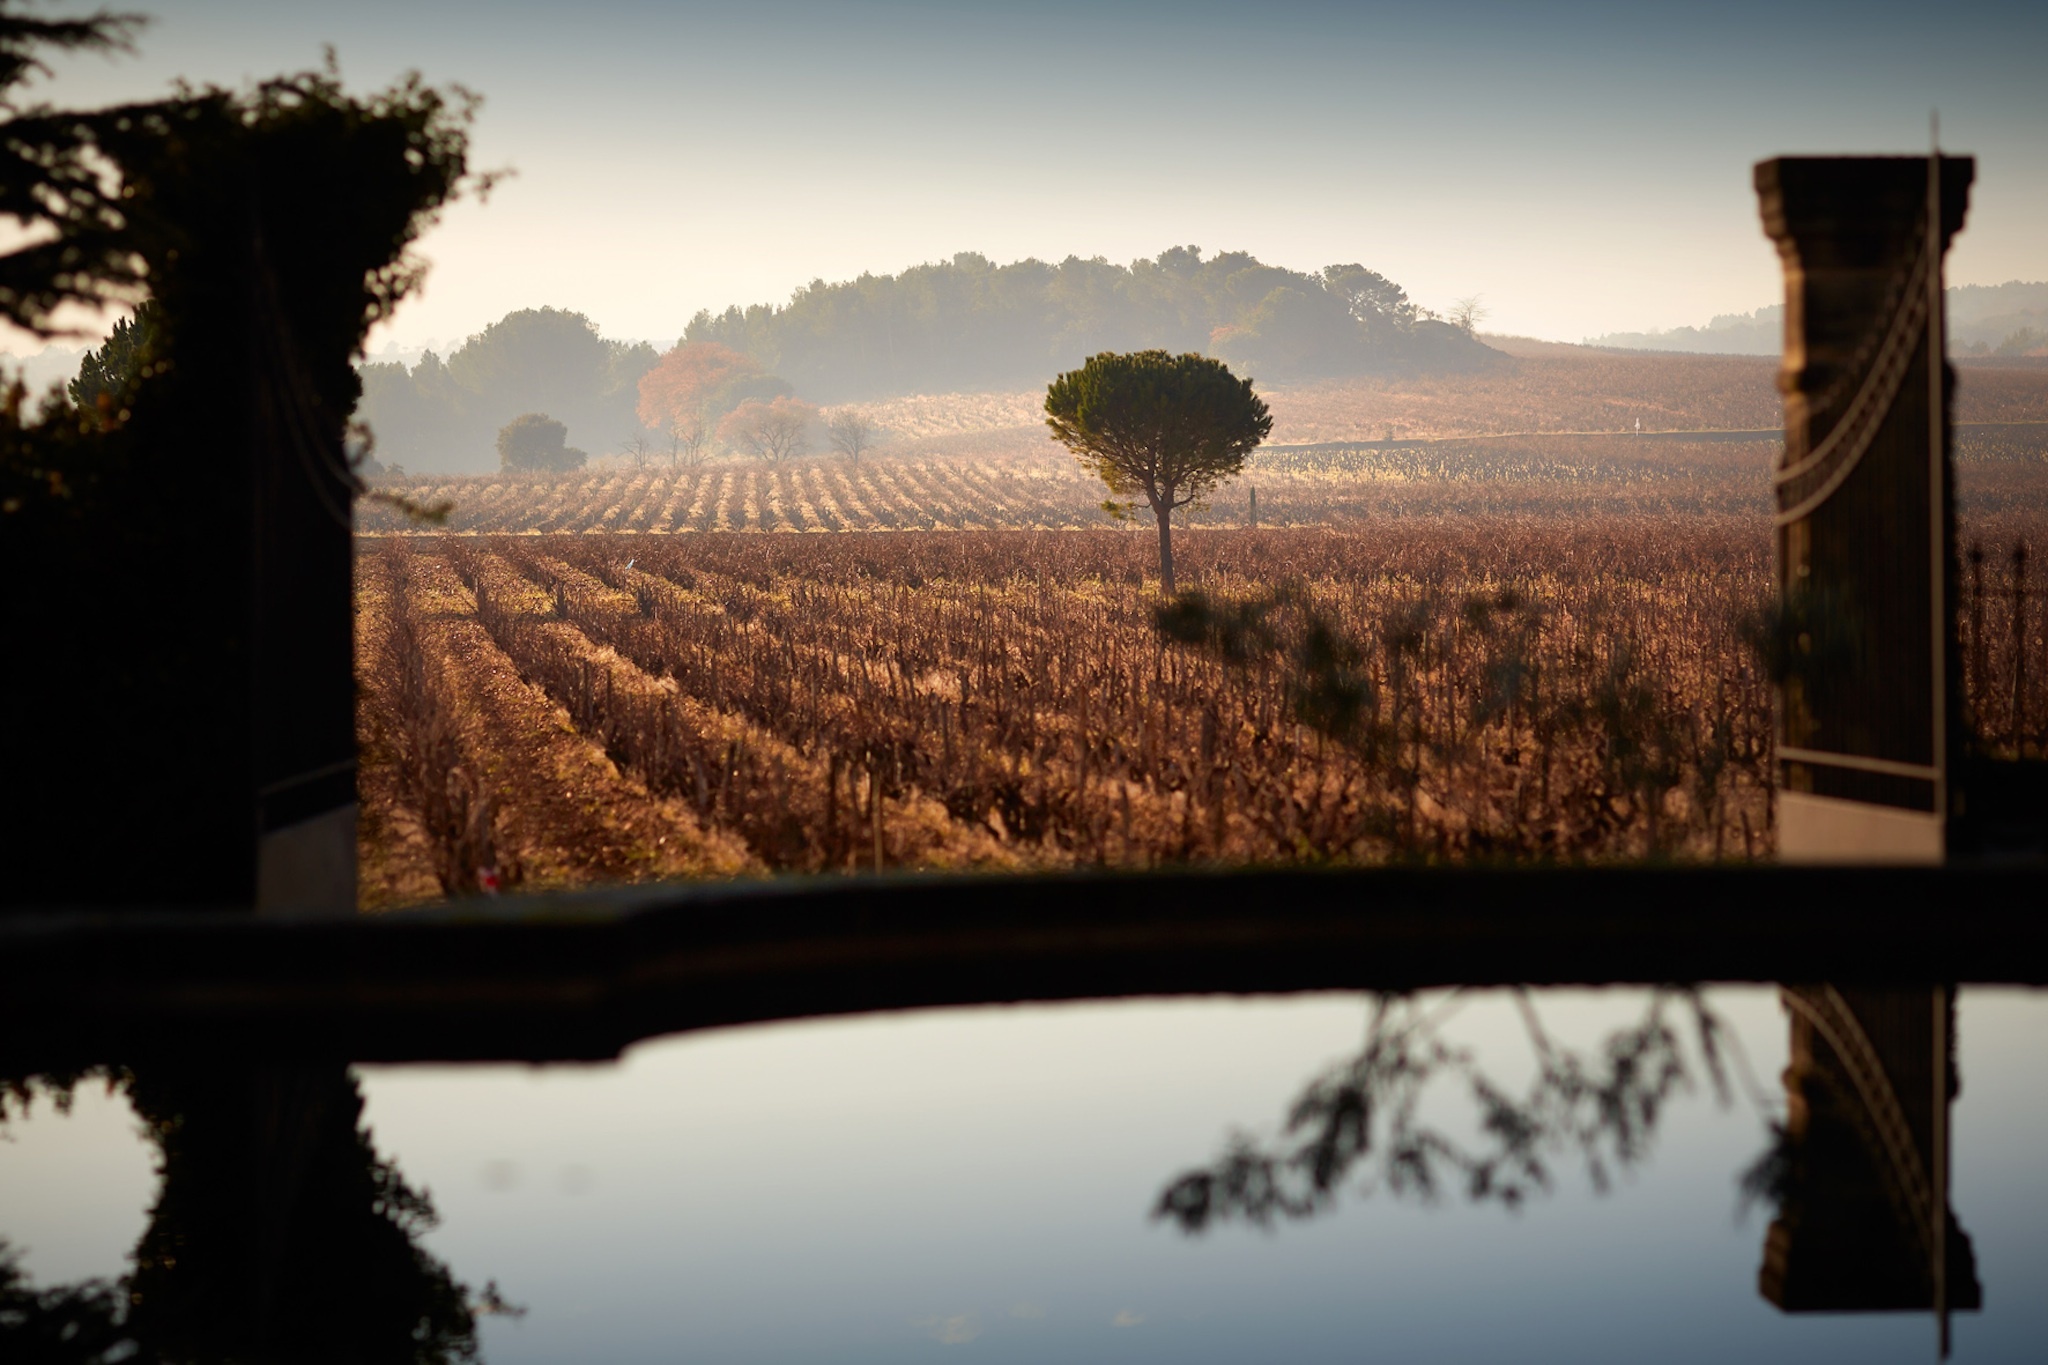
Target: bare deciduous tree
{"type": "Point", "coordinates": [1467, 313]}
{"type": "Point", "coordinates": [768, 431]}
{"type": "Point", "coordinates": [689, 434]}
{"type": "Point", "coordinates": [851, 431]}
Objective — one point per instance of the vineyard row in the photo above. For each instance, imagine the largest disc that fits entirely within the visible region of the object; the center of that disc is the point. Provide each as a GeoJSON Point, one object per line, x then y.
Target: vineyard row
{"type": "Point", "coordinates": [1050, 493]}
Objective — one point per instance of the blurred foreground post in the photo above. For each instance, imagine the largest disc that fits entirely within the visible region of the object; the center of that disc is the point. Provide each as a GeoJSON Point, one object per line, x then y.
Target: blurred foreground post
{"type": "Point", "coordinates": [301, 601]}
{"type": "Point", "coordinates": [182, 552]}
{"type": "Point", "coordinates": [1868, 730]}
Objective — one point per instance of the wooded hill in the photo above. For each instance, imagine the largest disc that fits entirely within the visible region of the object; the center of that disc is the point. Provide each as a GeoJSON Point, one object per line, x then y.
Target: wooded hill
{"type": "Point", "coordinates": [446, 414]}
{"type": "Point", "coordinates": [960, 326]}
{"type": "Point", "coordinates": [969, 325]}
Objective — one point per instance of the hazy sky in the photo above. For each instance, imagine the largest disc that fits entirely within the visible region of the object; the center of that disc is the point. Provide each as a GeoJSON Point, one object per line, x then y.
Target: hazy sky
{"type": "Point", "coordinates": [1584, 167]}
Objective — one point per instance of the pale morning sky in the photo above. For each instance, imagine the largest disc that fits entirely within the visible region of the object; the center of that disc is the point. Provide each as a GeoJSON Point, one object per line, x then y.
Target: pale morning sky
{"type": "Point", "coordinates": [1585, 167]}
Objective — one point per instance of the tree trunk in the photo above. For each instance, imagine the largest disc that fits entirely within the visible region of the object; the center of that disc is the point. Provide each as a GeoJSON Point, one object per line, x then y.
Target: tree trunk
{"type": "Point", "coordinates": [1162, 511]}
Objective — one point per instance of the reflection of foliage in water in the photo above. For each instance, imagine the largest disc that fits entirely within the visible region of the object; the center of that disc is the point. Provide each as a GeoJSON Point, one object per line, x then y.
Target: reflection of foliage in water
{"type": "Point", "coordinates": [72, 1324]}
{"type": "Point", "coordinates": [276, 1214]}
{"type": "Point", "coordinates": [1365, 1115]}
{"type": "Point", "coordinates": [277, 1233]}
{"type": "Point", "coordinates": [1771, 1179]}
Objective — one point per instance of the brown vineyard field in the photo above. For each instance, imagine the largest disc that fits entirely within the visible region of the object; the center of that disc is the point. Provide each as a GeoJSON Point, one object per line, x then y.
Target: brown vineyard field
{"type": "Point", "coordinates": [626, 674]}
{"type": "Point", "coordinates": [985, 462]}
{"type": "Point", "coordinates": [558, 711]}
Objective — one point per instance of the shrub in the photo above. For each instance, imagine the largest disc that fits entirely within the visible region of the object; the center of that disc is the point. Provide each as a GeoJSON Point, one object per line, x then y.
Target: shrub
{"type": "Point", "coordinates": [537, 441]}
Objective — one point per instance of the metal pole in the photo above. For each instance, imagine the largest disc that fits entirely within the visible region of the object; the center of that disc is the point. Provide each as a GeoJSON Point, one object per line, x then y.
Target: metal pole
{"type": "Point", "coordinates": [1940, 1165]}
{"type": "Point", "coordinates": [1980, 660]}
{"type": "Point", "coordinates": [2019, 649]}
{"type": "Point", "coordinates": [1937, 462]}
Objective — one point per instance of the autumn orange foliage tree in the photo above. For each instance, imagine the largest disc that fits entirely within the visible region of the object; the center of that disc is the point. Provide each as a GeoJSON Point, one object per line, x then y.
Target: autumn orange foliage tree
{"type": "Point", "coordinates": [701, 379]}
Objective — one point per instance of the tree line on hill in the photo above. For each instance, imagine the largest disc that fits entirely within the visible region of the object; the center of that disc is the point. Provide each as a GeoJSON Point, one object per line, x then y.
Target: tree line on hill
{"type": "Point", "coordinates": [447, 414]}
{"type": "Point", "coordinates": [740, 380]}
{"type": "Point", "coordinates": [968, 324]}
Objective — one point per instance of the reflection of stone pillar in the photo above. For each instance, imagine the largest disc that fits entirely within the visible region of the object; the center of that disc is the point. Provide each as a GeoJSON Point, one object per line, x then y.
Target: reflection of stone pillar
{"type": "Point", "coordinates": [1864, 1223]}
{"type": "Point", "coordinates": [1865, 525]}
{"type": "Point", "coordinates": [279, 1234]}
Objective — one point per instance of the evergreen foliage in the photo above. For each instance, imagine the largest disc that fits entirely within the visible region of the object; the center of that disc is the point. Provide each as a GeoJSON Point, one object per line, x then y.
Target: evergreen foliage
{"type": "Point", "coordinates": [535, 441]}
{"type": "Point", "coordinates": [107, 377]}
{"type": "Point", "coordinates": [446, 414]}
{"type": "Point", "coordinates": [1167, 427]}
{"type": "Point", "coordinates": [262, 232]}
{"type": "Point", "coordinates": [2022, 341]}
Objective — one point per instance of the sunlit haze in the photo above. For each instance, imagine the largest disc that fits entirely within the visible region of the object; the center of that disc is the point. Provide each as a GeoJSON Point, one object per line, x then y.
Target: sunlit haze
{"type": "Point", "coordinates": [1583, 167]}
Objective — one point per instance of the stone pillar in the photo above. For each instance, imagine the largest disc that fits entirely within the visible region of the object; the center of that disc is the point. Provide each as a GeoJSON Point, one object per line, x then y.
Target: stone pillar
{"type": "Point", "coordinates": [1864, 644]}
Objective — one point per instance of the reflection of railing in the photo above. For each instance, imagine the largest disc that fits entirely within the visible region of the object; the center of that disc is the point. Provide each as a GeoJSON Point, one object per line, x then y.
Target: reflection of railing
{"type": "Point", "coordinates": [583, 976]}
{"type": "Point", "coordinates": [1861, 1173]}
{"type": "Point", "coordinates": [1902, 1170]}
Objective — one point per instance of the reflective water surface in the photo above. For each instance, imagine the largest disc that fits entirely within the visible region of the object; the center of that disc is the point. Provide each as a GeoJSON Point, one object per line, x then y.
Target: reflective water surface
{"type": "Point", "coordinates": [1020, 1184]}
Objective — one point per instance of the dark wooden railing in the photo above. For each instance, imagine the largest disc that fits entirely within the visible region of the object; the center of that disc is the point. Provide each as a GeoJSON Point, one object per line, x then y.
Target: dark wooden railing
{"type": "Point", "coordinates": [583, 976]}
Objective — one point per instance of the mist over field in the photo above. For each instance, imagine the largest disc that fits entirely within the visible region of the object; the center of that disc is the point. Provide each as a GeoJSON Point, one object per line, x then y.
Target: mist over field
{"type": "Point", "coordinates": [938, 198]}
{"type": "Point", "coordinates": [953, 358]}
{"type": "Point", "coordinates": [960, 326]}
{"type": "Point", "coordinates": [2007, 320]}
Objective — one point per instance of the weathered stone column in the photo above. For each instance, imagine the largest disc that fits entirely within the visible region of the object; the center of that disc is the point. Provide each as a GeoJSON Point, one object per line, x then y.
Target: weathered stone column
{"type": "Point", "coordinates": [1864, 640]}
